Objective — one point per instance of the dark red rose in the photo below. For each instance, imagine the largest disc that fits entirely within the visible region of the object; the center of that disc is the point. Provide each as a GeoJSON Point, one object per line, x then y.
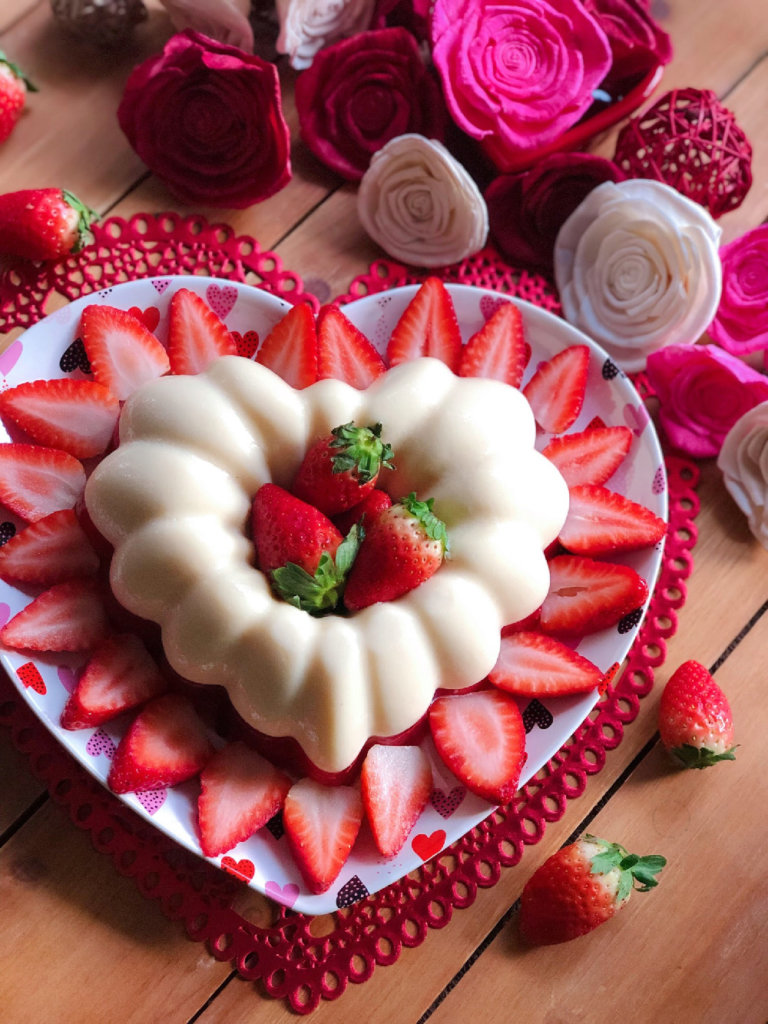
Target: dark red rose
{"type": "Point", "coordinates": [637, 41]}
{"type": "Point", "coordinates": [410, 14]}
{"type": "Point", "coordinates": [206, 119]}
{"type": "Point", "coordinates": [527, 210]}
{"type": "Point", "coordinates": [362, 92]}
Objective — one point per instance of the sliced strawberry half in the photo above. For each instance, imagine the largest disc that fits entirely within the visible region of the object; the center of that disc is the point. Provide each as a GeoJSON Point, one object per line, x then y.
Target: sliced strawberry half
{"type": "Point", "coordinates": [322, 824]}
{"type": "Point", "coordinates": [52, 550]}
{"type": "Point", "coordinates": [499, 349]}
{"type": "Point", "coordinates": [372, 505]}
{"type": "Point", "coordinates": [556, 391]}
{"type": "Point", "coordinates": [78, 416]}
{"type": "Point", "coordinates": [590, 457]}
{"type": "Point", "coordinates": [585, 596]}
{"type": "Point", "coordinates": [196, 336]}
{"type": "Point", "coordinates": [240, 792]}
{"type": "Point", "coordinates": [122, 352]}
{"type": "Point", "coordinates": [480, 737]}
{"type": "Point", "coordinates": [290, 348]}
{"type": "Point", "coordinates": [600, 522]}
{"type": "Point", "coordinates": [530, 622]}
{"type": "Point", "coordinates": [68, 617]}
{"type": "Point", "coordinates": [396, 783]}
{"type": "Point", "coordinates": [428, 327]}
{"type": "Point", "coordinates": [343, 352]}
{"type": "Point", "coordinates": [37, 481]}
{"type": "Point", "coordinates": [533, 665]}
{"type": "Point", "coordinates": [165, 745]}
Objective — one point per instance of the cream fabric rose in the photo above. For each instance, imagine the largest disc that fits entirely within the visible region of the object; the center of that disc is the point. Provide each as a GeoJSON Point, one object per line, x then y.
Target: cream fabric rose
{"type": "Point", "coordinates": [420, 204]}
{"type": "Point", "coordinates": [306, 26]}
{"type": "Point", "coordinates": [223, 20]}
{"type": "Point", "coordinates": [637, 267]}
{"type": "Point", "coordinates": [743, 460]}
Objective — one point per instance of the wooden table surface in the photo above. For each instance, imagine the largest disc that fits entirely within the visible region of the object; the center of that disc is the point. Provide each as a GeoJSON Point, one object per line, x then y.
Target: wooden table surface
{"type": "Point", "coordinates": [79, 945]}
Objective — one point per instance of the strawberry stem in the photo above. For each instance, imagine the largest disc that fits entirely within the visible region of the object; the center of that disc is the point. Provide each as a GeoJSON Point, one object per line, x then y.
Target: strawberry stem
{"type": "Point", "coordinates": [86, 217]}
{"type": "Point", "coordinates": [361, 450]}
{"type": "Point", "coordinates": [31, 87]}
{"type": "Point", "coordinates": [319, 593]}
{"type": "Point", "coordinates": [701, 757]}
{"type": "Point", "coordinates": [634, 871]}
{"type": "Point", "coordinates": [433, 527]}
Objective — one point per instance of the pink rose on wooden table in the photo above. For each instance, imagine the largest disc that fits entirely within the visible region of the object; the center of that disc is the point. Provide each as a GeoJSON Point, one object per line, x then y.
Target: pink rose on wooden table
{"type": "Point", "coordinates": [362, 92]}
{"type": "Point", "coordinates": [306, 26]}
{"type": "Point", "coordinates": [741, 321]}
{"type": "Point", "coordinates": [206, 119]}
{"type": "Point", "coordinates": [521, 71]}
{"type": "Point", "coordinates": [702, 392]}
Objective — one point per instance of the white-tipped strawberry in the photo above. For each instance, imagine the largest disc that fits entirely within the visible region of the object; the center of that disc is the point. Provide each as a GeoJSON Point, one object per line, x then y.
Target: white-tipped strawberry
{"type": "Point", "coordinates": [534, 665]}
{"type": "Point", "coordinates": [499, 349]}
{"type": "Point", "coordinates": [321, 824]}
{"type": "Point", "coordinates": [695, 720]}
{"type": "Point", "coordinates": [556, 391]}
{"type": "Point", "coordinates": [600, 522]}
{"type": "Point", "coordinates": [344, 352]}
{"type": "Point", "coordinates": [428, 327]}
{"type": "Point", "coordinates": [122, 352]}
{"type": "Point", "coordinates": [77, 416]}
{"type": "Point", "coordinates": [586, 596]}
{"type": "Point", "coordinates": [52, 550]}
{"type": "Point", "coordinates": [68, 617]}
{"type": "Point", "coordinates": [590, 457]}
{"type": "Point", "coordinates": [396, 783]}
{"type": "Point", "coordinates": [37, 481]}
{"type": "Point", "coordinates": [196, 336]}
{"type": "Point", "coordinates": [290, 348]}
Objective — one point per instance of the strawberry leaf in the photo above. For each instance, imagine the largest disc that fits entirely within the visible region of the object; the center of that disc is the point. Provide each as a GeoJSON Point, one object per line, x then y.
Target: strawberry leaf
{"type": "Point", "coordinates": [319, 593]}
{"type": "Point", "coordinates": [701, 757]}
{"type": "Point", "coordinates": [625, 886]}
{"type": "Point", "coordinates": [31, 87]}
{"type": "Point", "coordinates": [86, 217]}
{"type": "Point", "coordinates": [433, 527]}
{"type": "Point", "coordinates": [361, 450]}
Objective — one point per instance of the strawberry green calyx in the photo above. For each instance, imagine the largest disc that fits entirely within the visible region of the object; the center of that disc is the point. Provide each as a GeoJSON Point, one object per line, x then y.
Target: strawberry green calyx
{"type": "Point", "coordinates": [634, 872]}
{"type": "Point", "coordinates": [362, 450]}
{"type": "Point", "coordinates": [86, 217]}
{"type": "Point", "coordinates": [701, 757]}
{"type": "Point", "coordinates": [319, 593]}
{"type": "Point", "coordinates": [31, 87]}
{"type": "Point", "coordinates": [433, 527]}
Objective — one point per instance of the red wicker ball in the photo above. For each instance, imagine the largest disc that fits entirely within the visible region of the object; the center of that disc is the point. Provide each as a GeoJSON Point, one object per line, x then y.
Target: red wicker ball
{"type": "Point", "coordinates": [690, 141]}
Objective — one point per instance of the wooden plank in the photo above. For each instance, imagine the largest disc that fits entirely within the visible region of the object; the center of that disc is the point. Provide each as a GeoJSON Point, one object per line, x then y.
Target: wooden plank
{"type": "Point", "coordinates": [19, 786]}
{"type": "Point", "coordinates": [12, 11]}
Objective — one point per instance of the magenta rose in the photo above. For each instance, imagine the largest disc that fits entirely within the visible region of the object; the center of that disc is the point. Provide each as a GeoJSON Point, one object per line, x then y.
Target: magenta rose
{"type": "Point", "coordinates": [741, 322]}
{"type": "Point", "coordinates": [702, 391]}
{"type": "Point", "coordinates": [526, 211]}
{"type": "Point", "coordinates": [519, 71]}
{"type": "Point", "coordinates": [205, 117]}
{"type": "Point", "coordinates": [362, 92]}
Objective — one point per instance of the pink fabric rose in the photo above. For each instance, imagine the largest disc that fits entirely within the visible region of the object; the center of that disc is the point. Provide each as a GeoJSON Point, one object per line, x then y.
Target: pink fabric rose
{"type": "Point", "coordinates": [741, 321]}
{"type": "Point", "coordinates": [520, 71]}
{"type": "Point", "coordinates": [703, 391]}
{"type": "Point", "coordinates": [205, 117]}
{"type": "Point", "coordinates": [526, 211]}
{"type": "Point", "coordinates": [362, 92]}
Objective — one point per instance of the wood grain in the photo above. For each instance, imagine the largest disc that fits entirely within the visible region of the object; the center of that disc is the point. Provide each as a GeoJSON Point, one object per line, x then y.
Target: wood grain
{"type": "Point", "coordinates": [19, 787]}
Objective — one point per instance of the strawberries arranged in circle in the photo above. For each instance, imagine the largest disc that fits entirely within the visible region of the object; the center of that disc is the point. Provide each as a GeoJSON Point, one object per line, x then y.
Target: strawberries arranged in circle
{"type": "Point", "coordinates": [122, 352]}
{"type": "Point", "coordinates": [290, 348]}
{"type": "Point", "coordinates": [77, 416]}
{"type": "Point", "coordinates": [343, 352]}
{"type": "Point", "coordinates": [396, 784]}
{"type": "Point", "coordinates": [321, 824]}
{"type": "Point", "coordinates": [556, 390]}
{"type": "Point", "coordinates": [36, 481]}
{"type": "Point", "coordinates": [196, 336]}
{"type": "Point", "coordinates": [591, 456]}
{"type": "Point", "coordinates": [534, 665]}
{"type": "Point", "coordinates": [586, 596]}
{"type": "Point", "coordinates": [52, 550]}
{"type": "Point", "coordinates": [428, 327]}
{"type": "Point", "coordinates": [499, 349]}
{"type": "Point", "coordinates": [68, 617]}
{"type": "Point", "coordinates": [601, 522]}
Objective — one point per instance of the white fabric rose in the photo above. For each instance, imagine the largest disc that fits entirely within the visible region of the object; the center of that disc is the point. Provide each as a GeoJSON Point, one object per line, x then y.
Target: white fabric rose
{"type": "Point", "coordinates": [743, 460]}
{"type": "Point", "coordinates": [420, 205]}
{"type": "Point", "coordinates": [223, 20]}
{"type": "Point", "coordinates": [637, 267]}
{"type": "Point", "coordinates": [306, 26]}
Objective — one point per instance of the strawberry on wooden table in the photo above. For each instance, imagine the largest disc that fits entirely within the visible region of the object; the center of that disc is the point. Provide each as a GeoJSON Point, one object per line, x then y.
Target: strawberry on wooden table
{"type": "Point", "coordinates": [498, 350]}
{"type": "Point", "coordinates": [322, 824]}
{"type": "Point", "coordinates": [695, 720]}
{"type": "Point", "coordinates": [68, 617]}
{"type": "Point", "coordinates": [196, 336]}
{"type": "Point", "coordinates": [534, 665]}
{"type": "Point", "coordinates": [77, 416]}
{"type": "Point", "coordinates": [43, 223]}
{"type": "Point", "coordinates": [123, 354]}
{"type": "Point", "coordinates": [601, 522]}
{"type": "Point", "coordinates": [52, 550]}
{"type": "Point", "coordinates": [556, 391]}
{"type": "Point", "coordinates": [290, 348]}
{"type": "Point", "coordinates": [591, 456]}
{"type": "Point", "coordinates": [343, 352]}
{"type": "Point", "coordinates": [37, 481]}
{"type": "Point", "coordinates": [14, 86]}
{"type": "Point", "coordinates": [428, 327]}
{"type": "Point", "coordinates": [586, 596]}
{"type": "Point", "coordinates": [396, 783]}
{"type": "Point", "coordinates": [373, 503]}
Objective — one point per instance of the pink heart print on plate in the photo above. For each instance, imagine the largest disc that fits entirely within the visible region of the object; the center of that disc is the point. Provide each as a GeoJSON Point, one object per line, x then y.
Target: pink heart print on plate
{"type": "Point", "coordinates": [489, 304]}
{"type": "Point", "coordinates": [446, 803]}
{"type": "Point", "coordinates": [151, 799]}
{"type": "Point", "coordinates": [286, 894]}
{"type": "Point", "coordinates": [5, 614]}
{"type": "Point", "coordinates": [100, 743]}
{"type": "Point", "coordinates": [636, 418]}
{"type": "Point", "coordinates": [221, 300]}
{"type": "Point", "coordinates": [67, 678]}
{"type": "Point", "coordinates": [161, 286]}
{"type": "Point", "coordinates": [10, 357]}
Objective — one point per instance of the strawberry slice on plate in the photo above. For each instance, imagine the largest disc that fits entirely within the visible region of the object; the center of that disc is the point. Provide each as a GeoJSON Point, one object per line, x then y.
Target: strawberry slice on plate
{"type": "Point", "coordinates": [396, 783]}
{"type": "Point", "coordinates": [480, 737]}
{"type": "Point", "coordinates": [321, 824]}
{"type": "Point", "coordinates": [533, 665]}
{"type": "Point", "coordinates": [556, 391]}
{"type": "Point", "coordinates": [37, 481]}
{"type": "Point", "coordinates": [68, 617]}
{"type": "Point", "coordinates": [165, 745]}
{"type": "Point", "coordinates": [119, 676]}
{"type": "Point", "coordinates": [240, 792]}
{"type": "Point", "coordinates": [428, 327]}
{"type": "Point", "coordinates": [52, 550]}
{"type": "Point", "coordinates": [196, 336]}
{"type": "Point", "coordinates": [375, 502]}
{"type": "Point", "coordinates": [77, 416]}
{"type": "Point", "coordinates": [290, 348]}
{"type": "Point", "coordinates": [586, 596]}
{"type": "Point", "coordinates": [499, 349]}
{"type": "Point", "coordinates": [122, 352]}
{"type": "Point", "coordinates": [343, 352]}
{"type": "Point", "coordinates": [590, 457]}
{"type": "Point", "coordinates": [600, 522]}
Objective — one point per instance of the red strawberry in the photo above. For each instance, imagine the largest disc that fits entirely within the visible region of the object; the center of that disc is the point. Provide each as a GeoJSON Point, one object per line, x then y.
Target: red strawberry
{"type": "Point", "coordinates": [246, 344]}
{"type": "Point", "coordinates": [37, 481]}
{"type": "Point", "coordinates": [695, 718]}
{"type": "Point", "coordinates": [530, 622]}
{"type": "Point", "coordinates": [52, 550]}
{"type": "Point", "coordinates": [345, 353]}
{"type": "Point", "coordinates": [290, 348]}
{"type": "Point", "coordinates": [68, 617]}
{"type": "Point", "coordinates": [14, 86]}
{"type": "Point", "coordinates": [428, 327]}
{"type": "Point", "coordinates": [43, 223]}
{"type": "Point", "coordinates": [77, 416]}
{"type": "Point", "coordinates": [499, 349]}
{"type": "Point", "coordinates": [166, 744]}
{"type": "Point", "coordinates": [342, 468]}
{"type": "Point", "coordinates": [556, 390]}
{"type": "Point", "coordinates": [586, 596]}
{"type": "Point", "coordinates": [402, 548]}
{"type": "Point", "coordinates": [533, 665]}
{"type": "Point", "coordinates": [122, 352]}
{"type": "Point", "coordinates": [120, 675]}
{"type": "Point", "coordinates": [239, 792]}
{"type": "Point", "coordinates": [480, 737]}
{"type": "Point", "coordinates": [580, 887]}
{"type": "Point", "coordinates": [196, 336]}
{"type": "Point", "coordinates": [396, 783]}
{"type": "Point", "coordinates": [322, 824]}
{"type": "Point", "coordinates": [591, 456]}
{"type": "Point", "coordinates": [373, 503]}
{"type": "Point", "coordinates": [600, 522]}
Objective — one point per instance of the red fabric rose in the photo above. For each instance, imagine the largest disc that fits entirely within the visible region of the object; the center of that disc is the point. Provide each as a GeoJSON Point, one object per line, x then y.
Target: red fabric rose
{"type": "Point", "coordinates": [362, 92]}
{"type": "Point", "coordinates": [206, 119]}
{"type": "Point", "coordinates": [410, 14]}
{"type": "Point", "coordinates": [636, 39]}
{"type": "Point", "coordinates": [526, 211]}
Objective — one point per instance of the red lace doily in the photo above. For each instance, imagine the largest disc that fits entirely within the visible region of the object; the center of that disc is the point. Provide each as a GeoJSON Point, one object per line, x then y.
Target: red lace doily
{"type": "Point", "coordinates": [290, 960]}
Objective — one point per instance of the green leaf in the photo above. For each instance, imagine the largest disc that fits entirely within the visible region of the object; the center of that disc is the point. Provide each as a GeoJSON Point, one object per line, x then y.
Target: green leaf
{"type": "Point", "coordinates": [360, 450]}
{"type": "Point", "coordinates": [653, 863]}
{"type": "Point", "coordinates": [645, 878]}
{"type": "Point", "coordinates": [701, 757]}
{"type": "Point", "coordinates": [31, 87]}
{"type": "Point", "coordinates": [322, 592]}
{"type": "Point", "coordinates": [86, 217]}
{"type": "Point", "coordinates": [433, 527]}
{"type": "Point", "coordinates": [348, 549]}
{"type": "Point", "coordinates": [604, 862]}
{"type": "Point", "coordinates": [625, 886]}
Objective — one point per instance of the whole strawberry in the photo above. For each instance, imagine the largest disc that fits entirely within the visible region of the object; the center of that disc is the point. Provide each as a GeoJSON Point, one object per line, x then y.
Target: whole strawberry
{"type": "Point", "coordinates": [43, 223]}
{"type": "Point", "coordinates": [341, 469]}
{"type": "Point", "coordinates": [580, 887]}
{"type": "Point", "coordinates": [402, 548]}
{"type": "Point", "coordinates": [14, 86]}
{"type": "Point", "coordinates": [695, 719]}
